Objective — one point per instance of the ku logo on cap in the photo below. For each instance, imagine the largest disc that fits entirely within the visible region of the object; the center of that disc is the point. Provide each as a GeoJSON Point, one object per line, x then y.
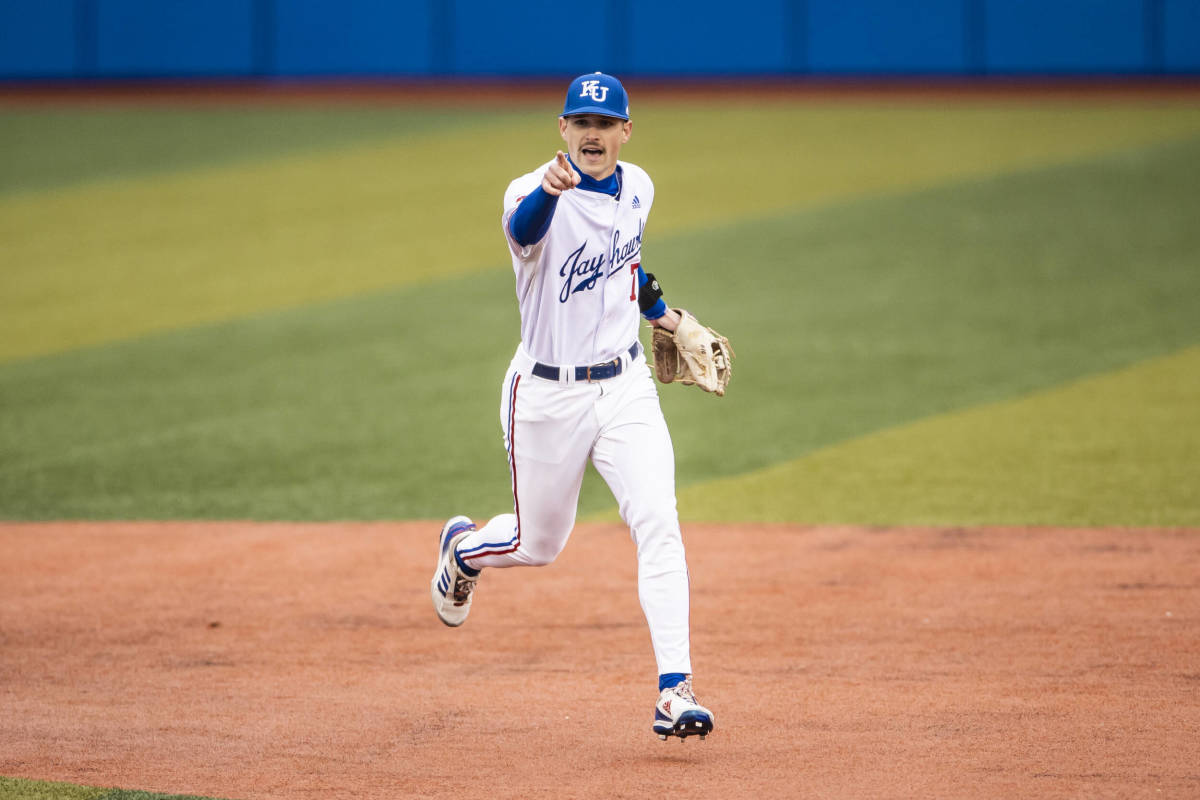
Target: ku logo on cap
{"type": "Point", "coordinates": [594, 90]}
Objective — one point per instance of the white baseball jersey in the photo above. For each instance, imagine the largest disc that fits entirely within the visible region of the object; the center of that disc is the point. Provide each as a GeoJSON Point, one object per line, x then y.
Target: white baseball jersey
{"type": "Point", "coordinates": [577, 288]}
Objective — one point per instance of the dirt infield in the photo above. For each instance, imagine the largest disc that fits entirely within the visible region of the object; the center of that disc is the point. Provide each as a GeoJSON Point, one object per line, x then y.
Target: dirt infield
{"type": "Point", "coordinates": [304, 661]}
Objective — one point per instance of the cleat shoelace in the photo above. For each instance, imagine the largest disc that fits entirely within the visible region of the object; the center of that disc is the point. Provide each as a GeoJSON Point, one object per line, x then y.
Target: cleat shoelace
{"type": "Point", "coordinates": [463, 586]}
{"type": "Point", "coordinates": [684, 690]}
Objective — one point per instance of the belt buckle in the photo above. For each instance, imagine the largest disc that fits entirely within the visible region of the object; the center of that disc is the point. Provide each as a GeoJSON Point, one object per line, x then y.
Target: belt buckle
{"type": "Point", "coordinates": [609, 364]}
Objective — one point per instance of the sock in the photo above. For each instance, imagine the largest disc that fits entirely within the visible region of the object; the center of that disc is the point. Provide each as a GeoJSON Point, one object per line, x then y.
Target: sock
{"type": "Point", "coordinates": [669, 679]}
{"type": "Point", "coordinates": [468, 571]}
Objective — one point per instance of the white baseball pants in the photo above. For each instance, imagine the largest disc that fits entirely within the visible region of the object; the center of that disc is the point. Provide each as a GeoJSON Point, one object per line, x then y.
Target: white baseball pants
{"type": "Point", "coordinates": [551, 429]}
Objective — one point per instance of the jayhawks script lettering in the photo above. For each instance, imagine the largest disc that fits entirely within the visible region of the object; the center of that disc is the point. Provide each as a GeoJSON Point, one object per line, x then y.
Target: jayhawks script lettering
{"type": "Point", "coordinates": [581, 274]}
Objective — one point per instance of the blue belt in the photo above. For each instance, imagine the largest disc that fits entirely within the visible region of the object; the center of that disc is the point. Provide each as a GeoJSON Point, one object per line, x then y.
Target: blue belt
{"type": "Point", "coordinates": [596, 372]}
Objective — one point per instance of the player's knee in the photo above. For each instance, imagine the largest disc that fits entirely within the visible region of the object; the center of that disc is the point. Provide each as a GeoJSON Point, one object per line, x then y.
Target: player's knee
{"type": "Point", "coordinates": [543, 538]}
{"type": "Point", "coordinates": [656, 532]}
{"type": "Point", "coordinates": [540, 554]}
{"type": "Point", "coordinates": [652, 520]}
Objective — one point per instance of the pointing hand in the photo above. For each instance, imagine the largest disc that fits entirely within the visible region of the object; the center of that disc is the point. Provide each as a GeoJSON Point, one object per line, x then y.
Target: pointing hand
{"type": "Point", "coordinates": [560, 176]}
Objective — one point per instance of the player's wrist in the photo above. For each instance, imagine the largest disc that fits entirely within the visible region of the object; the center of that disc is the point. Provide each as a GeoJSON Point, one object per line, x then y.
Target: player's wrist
{"type": "Point", "coordinates": [656, 311]}
{"type": "Point", "coordinates": [669, 320]}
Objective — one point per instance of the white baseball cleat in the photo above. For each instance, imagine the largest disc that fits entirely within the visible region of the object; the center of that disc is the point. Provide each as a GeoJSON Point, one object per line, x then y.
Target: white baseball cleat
{"type": "Point", "coordinates": [677, 713]}
{"type": "Point", "coordinates": [451, 588]}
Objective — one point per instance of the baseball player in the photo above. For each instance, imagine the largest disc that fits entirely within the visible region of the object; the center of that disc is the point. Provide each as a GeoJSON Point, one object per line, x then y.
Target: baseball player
{"type": "Point", "coordinates": [579, 387]}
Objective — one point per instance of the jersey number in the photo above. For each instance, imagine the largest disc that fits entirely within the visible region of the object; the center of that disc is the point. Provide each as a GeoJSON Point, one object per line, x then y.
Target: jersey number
{"type": "Point", "coordinates": [633, 268]}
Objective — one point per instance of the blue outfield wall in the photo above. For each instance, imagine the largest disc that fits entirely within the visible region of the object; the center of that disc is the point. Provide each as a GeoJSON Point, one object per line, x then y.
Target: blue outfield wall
{"type": "Point", "coordinates": [135, 37]}
{"type": "Point", "coordinates": [104, 39]}
{"type": "Point", "coordinates": [39, 38]}
{"type": "Point", "coordinates": [371, 37]}
{"type": "Point", "coordinates": [856, 36]}
{"type": "Point", "coordinates": [1181, 35]}
{"type": "Point", "coordinates": [1108, 36]}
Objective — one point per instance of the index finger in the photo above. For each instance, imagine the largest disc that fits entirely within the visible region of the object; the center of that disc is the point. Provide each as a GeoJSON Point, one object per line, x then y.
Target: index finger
{"type": "Point", "coordinates": [562, 160]}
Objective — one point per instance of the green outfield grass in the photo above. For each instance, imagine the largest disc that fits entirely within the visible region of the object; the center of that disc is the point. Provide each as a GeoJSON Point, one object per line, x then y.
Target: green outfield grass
{"type": "Point", "coordinates": [954, 315]}
{"type": "Point", "coordinates": [319, 333]}
{"type": "Point", "coordinates": [1119, 449]}
{"type": "Point", "coordinates": [123, 235]}
{"type": "Point", "coordinates": [59, 147]}
{"type": "Point", "coordinates": [20, 789]}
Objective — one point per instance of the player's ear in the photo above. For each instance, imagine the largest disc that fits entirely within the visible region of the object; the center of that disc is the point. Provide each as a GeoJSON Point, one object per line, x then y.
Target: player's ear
{"type": "Point", "coordinates": [562, 128]}
{"type": "Point", "coordinates": [626, 130]}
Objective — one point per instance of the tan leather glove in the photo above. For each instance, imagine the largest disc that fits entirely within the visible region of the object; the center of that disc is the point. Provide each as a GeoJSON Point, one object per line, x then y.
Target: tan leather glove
{"type": "Point", "coordinates": [693, 355]}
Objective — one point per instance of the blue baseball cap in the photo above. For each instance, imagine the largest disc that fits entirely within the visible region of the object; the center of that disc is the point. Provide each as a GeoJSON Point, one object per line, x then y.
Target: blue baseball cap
{"type": "Point", "coordinates": [596, 93]}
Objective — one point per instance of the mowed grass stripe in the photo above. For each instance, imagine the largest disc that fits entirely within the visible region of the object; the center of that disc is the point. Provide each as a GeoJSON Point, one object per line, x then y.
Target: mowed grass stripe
{"type": "Point", "coordinates": [719, 164]}
{"type": "Point", "coordinates": [121, 258]}
{"type": "Point", "coordinates": [856, 319]}
{"type": "Point", "coordinates": [375, 407]}
{"type": "Point", "coordinates": [128, 257]}
{"type": "Point", "coordinates": [1120, 449]}
{"type": "Point", "coordinates": [885, 311]}
{"type": "Point", "coordinates": [61, 146]}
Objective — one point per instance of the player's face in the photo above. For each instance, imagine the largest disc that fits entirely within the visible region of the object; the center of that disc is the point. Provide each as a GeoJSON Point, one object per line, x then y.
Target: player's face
{"type": "Point", "coordinates": [594, 141]}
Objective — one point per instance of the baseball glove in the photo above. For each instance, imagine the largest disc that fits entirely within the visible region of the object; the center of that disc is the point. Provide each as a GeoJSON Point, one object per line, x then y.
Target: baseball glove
{"type": "Point", "coordinates": [693, 355]}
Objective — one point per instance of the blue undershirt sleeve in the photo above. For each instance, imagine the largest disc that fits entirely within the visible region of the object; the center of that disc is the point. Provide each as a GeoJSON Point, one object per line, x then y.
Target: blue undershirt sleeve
{"type": "Point", "coordinates": [656, 310]}
{"type": "Point", "coordinates": [529, 223]}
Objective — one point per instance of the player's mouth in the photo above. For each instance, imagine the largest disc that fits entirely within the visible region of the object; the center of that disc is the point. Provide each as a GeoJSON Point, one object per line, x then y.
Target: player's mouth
{"type": "Point", "coordinates": [592, 152]}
